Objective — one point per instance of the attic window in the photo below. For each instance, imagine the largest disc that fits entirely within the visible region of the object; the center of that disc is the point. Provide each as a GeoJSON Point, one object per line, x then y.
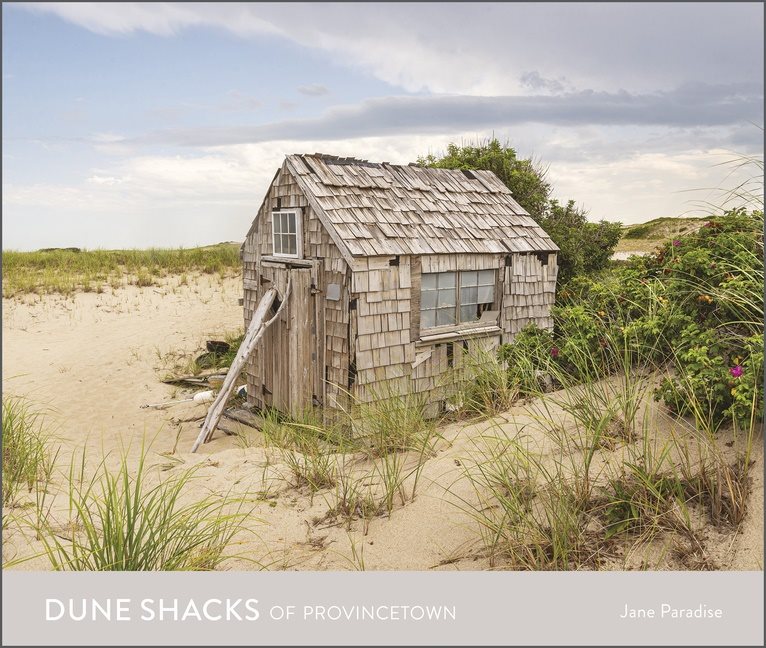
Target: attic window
{"type": "Point", "coordinates": [542, 257]}
{"type": "Point", "coordinates": [449, 298]}
{"type": "Point", "coordinates": [286, 233]}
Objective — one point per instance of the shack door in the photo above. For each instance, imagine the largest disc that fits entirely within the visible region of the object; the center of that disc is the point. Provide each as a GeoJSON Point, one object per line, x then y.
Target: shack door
{"type": "Point", "coordinates": [286, 347]}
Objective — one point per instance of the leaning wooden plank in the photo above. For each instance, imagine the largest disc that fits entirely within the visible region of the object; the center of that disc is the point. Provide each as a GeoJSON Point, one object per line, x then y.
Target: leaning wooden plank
{"type": "Point", "coordinates": [254, 333]}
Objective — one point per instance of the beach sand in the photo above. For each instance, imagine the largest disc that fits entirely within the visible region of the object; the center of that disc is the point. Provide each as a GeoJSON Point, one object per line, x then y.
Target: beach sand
{"type": "Point", "coordinates": [92, 360]}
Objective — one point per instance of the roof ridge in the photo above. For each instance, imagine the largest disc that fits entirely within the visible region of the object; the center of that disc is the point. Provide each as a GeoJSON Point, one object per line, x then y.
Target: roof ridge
{"type": "Point", "coordinates": [382, 208]}
{"type": "Point", "coordinates": [336, 159]}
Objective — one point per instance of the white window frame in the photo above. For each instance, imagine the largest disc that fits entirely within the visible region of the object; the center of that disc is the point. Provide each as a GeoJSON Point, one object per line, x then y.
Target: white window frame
{"type": "Point", "coordinates": [458, 301]}
{"type": "Point", "coordinates": [298, 233]}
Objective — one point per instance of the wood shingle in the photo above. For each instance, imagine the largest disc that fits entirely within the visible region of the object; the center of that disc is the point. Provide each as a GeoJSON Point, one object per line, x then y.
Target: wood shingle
{"type": "Point", "coordinates": [435, 211]}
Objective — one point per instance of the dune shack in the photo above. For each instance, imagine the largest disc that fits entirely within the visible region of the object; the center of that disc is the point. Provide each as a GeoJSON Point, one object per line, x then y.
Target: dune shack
{"type": "Point", "coordinates": [385, 275]}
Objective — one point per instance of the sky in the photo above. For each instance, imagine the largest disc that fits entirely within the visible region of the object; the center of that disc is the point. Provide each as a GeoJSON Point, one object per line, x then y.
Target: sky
{"type": "Point", "coordinates": [136, 125]}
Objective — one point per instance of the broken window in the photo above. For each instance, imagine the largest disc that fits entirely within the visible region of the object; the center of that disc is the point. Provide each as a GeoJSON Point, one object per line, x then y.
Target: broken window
{"type": "Point", "coordinates": [286, 233]}
{"type": "Point", "coordinates": [449, 298]}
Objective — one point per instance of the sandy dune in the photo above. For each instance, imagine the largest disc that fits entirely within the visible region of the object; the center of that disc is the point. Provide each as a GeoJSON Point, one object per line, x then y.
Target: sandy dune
{"type": "Point", "coordinates": [94, 359]}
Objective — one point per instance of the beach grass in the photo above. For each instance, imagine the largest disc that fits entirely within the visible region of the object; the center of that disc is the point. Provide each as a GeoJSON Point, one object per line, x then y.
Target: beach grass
{"type": "Point", "coordinates": [125, 521]}
{"type": "Point", "coordinates": [28, 457]}
{"type": "Point", "coordinates": [68, 270]}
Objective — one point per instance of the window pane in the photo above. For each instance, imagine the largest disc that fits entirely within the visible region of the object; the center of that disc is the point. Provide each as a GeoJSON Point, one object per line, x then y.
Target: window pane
{"type": "Point", "coordinates": [468, 278]}
{"type": "Point", "coordinates": [428, 299]}
{"type": "Point", "coordinates": [291, 223]}
{"type": "Point", "coordinates": [468, 313]}
{"type": "Point", "coordinates": [427, 319]}
{"type": "Point", "coordinates": [486, 294]}
{"type": "Point", "coordinates": [446, 280]}
{"type": "Point", "coordinates": [428, 281]}
{"type": "Point", "coordinates": [469, 295]}
{"type": "Point", "coordinates": [487, 278]}
{"type": "Point", "coordinates": [285, 244]}
{"type": "Point", "coordinates": [445, 316]}
{"type": "Point", "coordinates": [446, 297]}
{"type": "Point", "coordinates": [275, 223]}
{"type": "Point", "coordinates": [292, 241]}
{"type": "Point", "coordinates": [277, 244]}
{"type": "Point", "coordinates": [284, 223]}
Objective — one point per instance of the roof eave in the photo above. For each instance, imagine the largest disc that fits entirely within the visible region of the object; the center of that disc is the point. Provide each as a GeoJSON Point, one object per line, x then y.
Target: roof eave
{"type": "Point", "coordinates": [320, 212]}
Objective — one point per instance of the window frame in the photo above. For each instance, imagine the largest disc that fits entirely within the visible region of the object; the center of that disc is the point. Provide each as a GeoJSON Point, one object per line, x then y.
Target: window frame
{"type": "Point", "coordinates": [458, 302]}
{"type": "Point", "coordinates": [298, 233]}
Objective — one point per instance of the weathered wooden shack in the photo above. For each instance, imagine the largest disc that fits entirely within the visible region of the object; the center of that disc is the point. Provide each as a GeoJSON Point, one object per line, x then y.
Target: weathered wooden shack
{"type": "Point", "coordinates": [394, 271]}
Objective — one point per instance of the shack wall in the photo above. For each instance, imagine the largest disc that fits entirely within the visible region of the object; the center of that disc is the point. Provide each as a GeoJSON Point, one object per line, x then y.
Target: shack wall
{"type": "Point", "coordinates": [330, 326]}
{"type": "Point", "coordinates": [389, 354]}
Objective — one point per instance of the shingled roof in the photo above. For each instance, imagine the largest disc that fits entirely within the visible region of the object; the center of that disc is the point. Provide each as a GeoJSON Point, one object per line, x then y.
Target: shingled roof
{"type": "Point", "coordinates": [386, 209]}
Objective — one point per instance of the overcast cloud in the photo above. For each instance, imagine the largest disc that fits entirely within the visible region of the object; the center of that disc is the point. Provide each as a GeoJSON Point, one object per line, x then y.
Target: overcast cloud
{"type": "Point", "coordinates": [134, 124]}
{"type": "Point", "coordinates": [696, 104]}
{"type": "Point", "coordinates": [475, 48]}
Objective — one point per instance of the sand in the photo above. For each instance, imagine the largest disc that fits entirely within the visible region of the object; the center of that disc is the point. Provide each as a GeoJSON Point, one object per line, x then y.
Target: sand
{"type": "Point", "coordinates": [91, 360]}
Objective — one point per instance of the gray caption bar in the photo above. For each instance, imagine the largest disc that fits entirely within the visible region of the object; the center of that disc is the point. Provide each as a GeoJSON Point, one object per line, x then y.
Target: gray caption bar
{"type": "Point", "coordinates": [383, 608]}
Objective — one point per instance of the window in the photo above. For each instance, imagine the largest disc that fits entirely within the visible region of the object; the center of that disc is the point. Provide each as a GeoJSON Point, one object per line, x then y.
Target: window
{"type": "Point", "coordinates": [286, 233]}
{"type": "Point", "coordinates": [449, 298]}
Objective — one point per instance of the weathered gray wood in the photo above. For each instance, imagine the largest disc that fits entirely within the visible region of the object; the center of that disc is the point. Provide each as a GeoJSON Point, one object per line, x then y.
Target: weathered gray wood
{"type": "Point", "coordinates": [371, 230]}
{"type": "Point", "coordinates": [254, 333]}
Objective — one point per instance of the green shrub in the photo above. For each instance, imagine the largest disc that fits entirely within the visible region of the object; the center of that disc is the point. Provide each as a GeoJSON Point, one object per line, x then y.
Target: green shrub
{"type": "Point", "coordinates": [694, 309]}
{"type": "Point", "coordinates": [584, 246]}
{"type": "Point", "coordinates": [528, 357]}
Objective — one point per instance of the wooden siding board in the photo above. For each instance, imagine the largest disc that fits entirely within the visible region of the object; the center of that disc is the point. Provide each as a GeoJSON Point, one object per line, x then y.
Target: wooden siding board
{"type": "Point", "coordinates": [380, 334]}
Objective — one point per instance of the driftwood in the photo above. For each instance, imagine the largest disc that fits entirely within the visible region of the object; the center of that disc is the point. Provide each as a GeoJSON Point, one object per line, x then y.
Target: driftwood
{"type": "Point", "coordinates": [196, 381]}
{"type": "Point", "coordinates": [254, 333]}
{"type": "Point", "coordinates": [241, 419]}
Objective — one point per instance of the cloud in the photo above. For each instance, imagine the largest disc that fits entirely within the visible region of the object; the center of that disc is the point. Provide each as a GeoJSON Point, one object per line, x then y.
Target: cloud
{"type": "Point", "coordinates": [313, 90]}
{"type": "Point", "coordinates": [171, 200]}
{"type": "Point", "coordinates": [656, 120]}
{"type": "Point", "coordinates": [478, 48]}
{"type": "Point", "coordinates": [534, 81]}
{"type": "Point", "coordinates": [685, 106]}
{"type": "Point", "coordinates": [104, 180]}
{"type": "Point", "coordinates": [161, 19]}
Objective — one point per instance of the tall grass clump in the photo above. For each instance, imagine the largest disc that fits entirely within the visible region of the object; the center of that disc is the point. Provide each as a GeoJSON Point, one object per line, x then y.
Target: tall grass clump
{"type": "Point", "coordinates": [124, 521]}
{"type": "Point", "coordinates": [307, 446]}
{"type": "Point", "coordinates": [385, 443]}
{"type": "Point", "coordinates": [28, 458]}
{"type": "Point", "coordinates": [526, 512]}
{"type": "Point", "coordinates": [398, 437]}
{"type": "Point", "coordinates": [389, 421]}
{"type": "Point", "coordinates": [716, 478]}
